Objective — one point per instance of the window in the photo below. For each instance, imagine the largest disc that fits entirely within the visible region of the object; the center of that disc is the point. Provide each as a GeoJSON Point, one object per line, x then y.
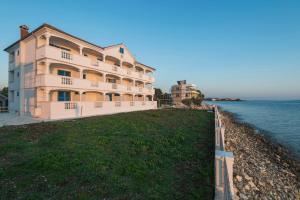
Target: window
{"type": "Point", "coordinates": [63, 73]}
{"type": "Point", "coordinates": [18, 74]}
{"type": "Point", "coordinates": [177, 95]}
{"type": "Point", "coordinates": [18, 52]}
{"type": "Point", "coordinates": [121, 50]}
{"type": "Point", "coordinates": [17, 94]}
{"type": "Point", "coordinates": [63, 96]}
{"type": "Point", "coordinates": [111, 80]}
{"type": "Point", "coordinates": [85, 55]}
{"type": "Point", "coordinates": [84, 76]}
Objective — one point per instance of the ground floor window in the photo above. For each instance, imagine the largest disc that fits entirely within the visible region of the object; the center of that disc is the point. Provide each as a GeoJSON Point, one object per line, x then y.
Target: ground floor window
{"type": "Point", "coordinates": [64, 96]}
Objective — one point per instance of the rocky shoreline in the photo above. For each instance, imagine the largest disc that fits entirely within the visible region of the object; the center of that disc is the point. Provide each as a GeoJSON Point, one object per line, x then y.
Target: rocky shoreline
{"type": "Point", "coordinates": [262, 168]}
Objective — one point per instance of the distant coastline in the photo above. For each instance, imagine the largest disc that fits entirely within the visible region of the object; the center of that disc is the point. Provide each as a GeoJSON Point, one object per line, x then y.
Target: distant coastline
{"type": "Point", "coordinates": [222, 99]}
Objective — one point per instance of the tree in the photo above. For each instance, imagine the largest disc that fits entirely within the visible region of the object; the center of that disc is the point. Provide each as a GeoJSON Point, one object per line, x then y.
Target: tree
{"type": "Point", "coordinates": [4, 91]}
{"type": "Point", "coordinates": [157, 93]}
{"type": "Point", "coordinates": [194, 100]}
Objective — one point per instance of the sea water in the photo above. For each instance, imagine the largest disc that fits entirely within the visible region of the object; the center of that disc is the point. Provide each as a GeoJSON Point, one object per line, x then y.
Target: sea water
{"type": "Point", "coordinates": [278, 119]}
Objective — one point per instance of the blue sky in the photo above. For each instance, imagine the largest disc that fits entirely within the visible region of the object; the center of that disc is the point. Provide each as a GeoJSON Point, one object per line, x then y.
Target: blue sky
{"type": "Point", "coordinates": [247, 49]}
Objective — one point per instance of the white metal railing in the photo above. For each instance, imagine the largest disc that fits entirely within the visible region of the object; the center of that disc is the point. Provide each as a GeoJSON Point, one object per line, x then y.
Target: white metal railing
{"type": "Point", "coordinates": [65, 80]}
{"type": "Point", "coordinates": [70, 105]}
{"type": "Point", "coordinates": [140, 89]}
{"type": "Point", "coordinates": [128, 87]}
{"type": "Point", "coordinates": [223, 163]}
{"type": "Point", "coordinates": [66, 55]}
{"type": "Point", "coordinates": [129, 72]}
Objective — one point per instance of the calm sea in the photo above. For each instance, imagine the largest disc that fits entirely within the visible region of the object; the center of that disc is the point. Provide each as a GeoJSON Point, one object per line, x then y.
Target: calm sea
{"type": "Point", "coordinates": [279, 119]}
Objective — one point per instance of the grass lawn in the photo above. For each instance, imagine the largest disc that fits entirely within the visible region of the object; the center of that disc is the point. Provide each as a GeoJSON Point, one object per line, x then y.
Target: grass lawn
{"type": "Point", "coordinates": [162, 154]}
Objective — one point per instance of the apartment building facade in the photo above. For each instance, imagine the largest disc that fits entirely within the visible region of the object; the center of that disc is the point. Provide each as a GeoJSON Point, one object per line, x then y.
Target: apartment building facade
{"type": "Point", "coordinates": [183, 90]}
{"type": "Point", "coordinates": [55, 75]}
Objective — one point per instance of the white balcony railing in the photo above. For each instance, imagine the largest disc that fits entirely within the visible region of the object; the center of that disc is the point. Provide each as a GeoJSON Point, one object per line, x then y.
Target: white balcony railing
{"type": "Point", "coordinates": [62, 110]}
{"type": "Point", "coordinates": [74, 58]}
{"type": "Point", "coordinates": [52, 80]}
{"type": "Point", "coordinates": [66, 80]}
{"type": "Point", "coordinates": [70, 105]}
{"type": "Point", "coordinates": [66, 55]}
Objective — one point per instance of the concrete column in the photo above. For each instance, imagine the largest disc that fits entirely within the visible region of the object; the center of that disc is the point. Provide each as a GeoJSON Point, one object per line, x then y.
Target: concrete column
{"type": "Point", "coordinates": [47, 39]}
{"type": "Point", "coordinates": [80, 50]}
{"type": "Point", "coordinates": [47, 65]}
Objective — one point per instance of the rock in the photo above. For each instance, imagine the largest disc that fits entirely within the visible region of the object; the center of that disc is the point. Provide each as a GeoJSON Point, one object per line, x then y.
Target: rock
{"type": "Point", "coordinates": [247, 177]}
{"type": "Point", "coordinates": [252, 184]}
{"type": "Point", "coordinates": [239, 178]}
{"type": "Point", "coordinates": [247, 187]}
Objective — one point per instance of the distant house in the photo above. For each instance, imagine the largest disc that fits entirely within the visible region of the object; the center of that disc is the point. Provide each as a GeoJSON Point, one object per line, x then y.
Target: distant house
{"type": "Point", "coordinates": [183, 90]}
{"type": "Point", "coordinates": [3, 101]}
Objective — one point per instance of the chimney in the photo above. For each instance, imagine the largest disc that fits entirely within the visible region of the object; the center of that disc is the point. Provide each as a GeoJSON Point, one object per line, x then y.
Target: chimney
{"type": "Point", "coordinates": [23, 31]}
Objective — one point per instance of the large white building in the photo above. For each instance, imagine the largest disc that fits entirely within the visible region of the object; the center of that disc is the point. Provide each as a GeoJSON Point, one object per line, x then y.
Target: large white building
{"type": "Point", "coordinates": [55, 75]}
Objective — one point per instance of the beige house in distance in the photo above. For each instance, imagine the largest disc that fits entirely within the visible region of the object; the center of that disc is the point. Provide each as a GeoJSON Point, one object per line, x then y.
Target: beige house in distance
{"type": "Point", "coordinates": [183, 90]}
{"type": "Point", "coordinates": [55, 75]}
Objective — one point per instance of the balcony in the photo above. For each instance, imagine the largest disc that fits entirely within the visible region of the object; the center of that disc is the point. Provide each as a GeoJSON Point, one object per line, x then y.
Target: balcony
{"type": "Point", "coordinates": [77, 59]}
{"type": "Point", "coordinates": [59, 110]}
{"type": "Point", "coordinates": [49, 80]}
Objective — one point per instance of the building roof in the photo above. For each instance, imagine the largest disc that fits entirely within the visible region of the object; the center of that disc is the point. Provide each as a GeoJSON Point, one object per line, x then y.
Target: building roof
{"type": "Point", "coordinates": [61, 31]}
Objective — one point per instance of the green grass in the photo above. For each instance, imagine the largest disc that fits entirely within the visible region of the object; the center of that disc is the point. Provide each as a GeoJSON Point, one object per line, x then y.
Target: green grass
{"type": "Point", "coordinates": [162, 154]}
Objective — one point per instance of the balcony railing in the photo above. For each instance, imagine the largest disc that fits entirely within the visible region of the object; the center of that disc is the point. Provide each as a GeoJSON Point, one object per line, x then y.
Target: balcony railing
{"type": "Point", "coordinates": [131, 103]}
{"type": "Point", "coordinates": [66, 55]}
{"type": "Point", "coordinates": [66, 80]}
{"type": "Point", "coordinates": [128, 87]}
{"type": "Point", "coordinates": [74, 58]}
{"type": "Point", "coordinates": [70, 105]}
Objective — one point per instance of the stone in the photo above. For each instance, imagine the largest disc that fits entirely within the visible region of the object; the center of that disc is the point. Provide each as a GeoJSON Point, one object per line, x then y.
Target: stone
{"type": "Point", "coordinates": [239, 178]}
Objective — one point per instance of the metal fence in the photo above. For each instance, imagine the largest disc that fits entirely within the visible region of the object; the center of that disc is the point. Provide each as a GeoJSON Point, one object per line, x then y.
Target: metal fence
{"type": "Point", "coordinates": [223, 163]}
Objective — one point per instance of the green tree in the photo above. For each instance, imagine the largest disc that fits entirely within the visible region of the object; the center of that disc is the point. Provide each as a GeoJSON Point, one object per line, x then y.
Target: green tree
{"type": "Point", "coordinates": [157, 93]}
{"type": "Point", "coordinates": [4, 91]}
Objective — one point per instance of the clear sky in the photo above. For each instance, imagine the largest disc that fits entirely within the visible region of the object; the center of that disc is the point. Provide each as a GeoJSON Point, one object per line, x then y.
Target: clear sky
{"type": "Point", "coordinates": [247, 49]}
